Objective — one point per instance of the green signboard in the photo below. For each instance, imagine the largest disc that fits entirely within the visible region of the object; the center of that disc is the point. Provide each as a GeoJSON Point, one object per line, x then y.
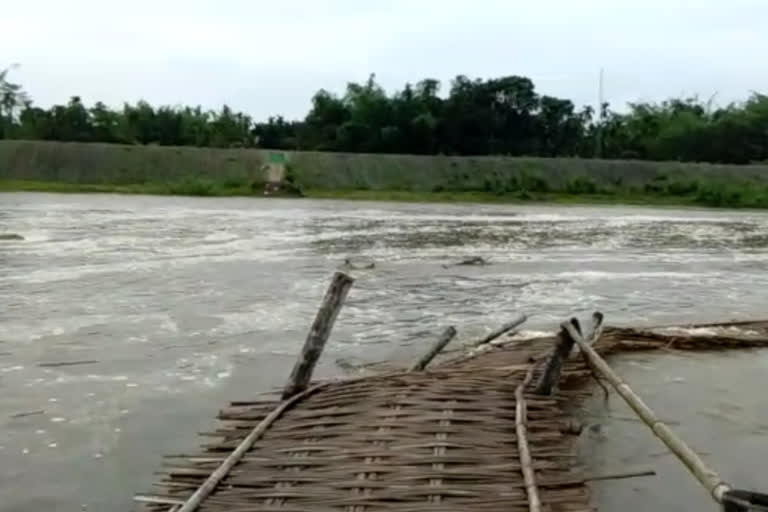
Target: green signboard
{"type": "Point", "coordinates": [276, 158]}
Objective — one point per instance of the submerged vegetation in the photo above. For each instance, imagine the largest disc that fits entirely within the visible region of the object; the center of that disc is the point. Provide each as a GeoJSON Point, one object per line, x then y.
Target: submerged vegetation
{"type": "Point", "coordinates": [414, 144]}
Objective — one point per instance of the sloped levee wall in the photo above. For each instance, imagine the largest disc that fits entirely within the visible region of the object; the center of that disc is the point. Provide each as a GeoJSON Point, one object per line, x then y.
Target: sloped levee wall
{"type": "Point", "coordinates": [94, 163]}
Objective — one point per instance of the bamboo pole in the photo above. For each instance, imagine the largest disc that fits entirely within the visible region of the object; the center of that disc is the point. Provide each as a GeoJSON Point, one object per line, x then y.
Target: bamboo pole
{"type": "Point", "coordinates": [705, 475]}
{"type": "Point", "coordinates": [318, 334]}
{"type": "Point", "coordinates": [521, 428]}
{"type": "Point", "coordinates": [158, 500]}
{"type": "Point", "coordinates": [215, 478]}
{"type": "Point", "coordinates": [590, 335]}
{"type": "Point", "coordinates": [501, 330]}
{"type": "Point", "coordinates": [444, 339]}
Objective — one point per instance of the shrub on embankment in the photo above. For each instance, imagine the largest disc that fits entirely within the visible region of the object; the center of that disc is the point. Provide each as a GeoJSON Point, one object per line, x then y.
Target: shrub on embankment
{"type": "Point", "coordinates": [210, 171]}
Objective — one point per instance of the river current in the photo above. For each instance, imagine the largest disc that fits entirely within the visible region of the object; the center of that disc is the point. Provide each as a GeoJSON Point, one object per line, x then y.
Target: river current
{"type": "Point", "coordinates": [176, 306]}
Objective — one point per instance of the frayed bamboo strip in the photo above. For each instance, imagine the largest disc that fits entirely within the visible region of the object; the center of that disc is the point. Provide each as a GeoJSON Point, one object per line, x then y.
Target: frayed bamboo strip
{"type": "Point", "coordinates": [705, 475]}
{"type": "Point", "coordinates": [534, 503]}
{"type": "Point", "coordinates": [621, 475]}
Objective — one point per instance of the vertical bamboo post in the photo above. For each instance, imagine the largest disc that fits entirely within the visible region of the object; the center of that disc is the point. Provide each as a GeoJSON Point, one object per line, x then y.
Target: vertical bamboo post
{"type": "Point", "coordinates": [705, 475]}
{"type": "Point", "coordinates": [563, 347]}
{"type": "Point", "coordinates": [318, 334]}
{"type": "Point", "coordinates": [441, 342]}
{"type": "Point", "coordinates": [551, 376]}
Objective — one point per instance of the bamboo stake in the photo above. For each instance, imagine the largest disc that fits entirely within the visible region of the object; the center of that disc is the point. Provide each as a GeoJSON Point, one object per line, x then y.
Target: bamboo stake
{"type": "Point", "coordinates": [215, 478]}
{"type": "Point", "coordinates": [564, 345]}
{"type": "Point", "coordinates": [594, 328]}
{"type": "Point", "coordinates": [521, 427]}
{"type": "Point", "coordinates": [318, 334]}
{"type": "Point", "coordinates": [705, 475]}
{"type": "Point", "coordinates": [501, 330]}
{"type": "Point", "coordinates": [552, 370]}
{"type": "Point", "coordinates": [444, 339]}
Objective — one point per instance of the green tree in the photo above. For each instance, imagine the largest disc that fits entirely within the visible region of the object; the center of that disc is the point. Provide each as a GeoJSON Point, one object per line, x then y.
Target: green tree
{"type": "Point", "coordinates": [503, 115]}
{"type": "Point", "coordinates": [12, 97]}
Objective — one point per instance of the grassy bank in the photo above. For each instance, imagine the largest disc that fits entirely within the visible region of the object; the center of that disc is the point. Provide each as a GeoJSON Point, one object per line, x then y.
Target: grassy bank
{"type": "Point", "coordinates": [626, 198]}
{"type": "Point", "coordinates": [208, 189]}
{"type": "Point", "coordinates": [201, 188]}
{"type": "Point", "coordinates": [75, 167]}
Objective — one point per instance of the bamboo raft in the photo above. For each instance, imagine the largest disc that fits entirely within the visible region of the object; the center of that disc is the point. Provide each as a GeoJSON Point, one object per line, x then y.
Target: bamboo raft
{"type": "Point", "coordinates": [489, 429]}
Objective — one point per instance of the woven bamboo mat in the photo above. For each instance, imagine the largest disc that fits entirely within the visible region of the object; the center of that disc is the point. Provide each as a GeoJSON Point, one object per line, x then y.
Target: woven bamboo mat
{"type": "Point", "coordinates": [441, 440]}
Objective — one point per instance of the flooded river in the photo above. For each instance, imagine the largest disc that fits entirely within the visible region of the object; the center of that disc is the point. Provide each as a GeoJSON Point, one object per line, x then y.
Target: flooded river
{"type": "Point", "coordinates": [182, 304]}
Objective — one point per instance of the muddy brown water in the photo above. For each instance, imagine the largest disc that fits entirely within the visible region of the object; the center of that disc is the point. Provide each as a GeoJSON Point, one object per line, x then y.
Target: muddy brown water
{"type": "Point", "coordinates": [187, 303]}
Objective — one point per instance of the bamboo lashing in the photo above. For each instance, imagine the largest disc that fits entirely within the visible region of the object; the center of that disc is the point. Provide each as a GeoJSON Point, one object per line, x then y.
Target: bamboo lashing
{"type": "Point", "coordinates": [704, 474]}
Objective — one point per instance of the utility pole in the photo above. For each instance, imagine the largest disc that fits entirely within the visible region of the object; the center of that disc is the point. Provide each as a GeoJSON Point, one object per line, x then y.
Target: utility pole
{"type": "Point", "coordinates": [600, 115]}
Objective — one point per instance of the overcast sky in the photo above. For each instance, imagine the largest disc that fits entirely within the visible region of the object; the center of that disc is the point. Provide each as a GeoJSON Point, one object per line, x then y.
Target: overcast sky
{"type": "Point", "coordinates": [269, 56]}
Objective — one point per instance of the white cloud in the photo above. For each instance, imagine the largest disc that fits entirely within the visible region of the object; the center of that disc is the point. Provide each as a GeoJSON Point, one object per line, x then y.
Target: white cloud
{"type": "Point", "coordinates": [270, 57]}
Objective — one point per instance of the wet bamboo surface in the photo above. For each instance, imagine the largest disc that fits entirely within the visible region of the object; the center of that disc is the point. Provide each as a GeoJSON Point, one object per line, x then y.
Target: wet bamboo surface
{"type": "Point", "coordinates": [443, 439]}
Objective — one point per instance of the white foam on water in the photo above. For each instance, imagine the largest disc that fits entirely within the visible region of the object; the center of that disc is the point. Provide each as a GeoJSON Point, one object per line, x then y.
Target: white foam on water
{"type": "Point", "coordinates": [24, 331]}
{"type": "Point", "coordinates": [527, 334]}
{"type": "Point", "coordinates": [220, 236]}
{"type": "Point", "coordinates": [168, 324]}
{"type": "Point", "coordinates": [35, 235]}
{"type": "Point", "coordinates": [690, 331]}
{"type": "Point", "coordinates": [691, 218]}
{"type": "Point", "coordinates": [634, 274]}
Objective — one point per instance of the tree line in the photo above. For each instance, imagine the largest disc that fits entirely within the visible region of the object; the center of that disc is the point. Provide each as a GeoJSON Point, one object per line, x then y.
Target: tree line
{"type": "Point", "coordinates": [497, 116]}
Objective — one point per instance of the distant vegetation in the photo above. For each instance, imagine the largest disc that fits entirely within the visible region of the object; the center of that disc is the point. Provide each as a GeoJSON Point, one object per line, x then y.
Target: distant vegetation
{"type": "Point", "coordinates": [499, 116]}
{"type": "Point", "coordinates": [485, 140]}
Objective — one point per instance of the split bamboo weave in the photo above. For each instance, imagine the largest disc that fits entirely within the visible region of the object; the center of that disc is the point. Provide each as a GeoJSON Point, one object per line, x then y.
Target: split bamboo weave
{"type": "Point", "coordinates": [439, 440]}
